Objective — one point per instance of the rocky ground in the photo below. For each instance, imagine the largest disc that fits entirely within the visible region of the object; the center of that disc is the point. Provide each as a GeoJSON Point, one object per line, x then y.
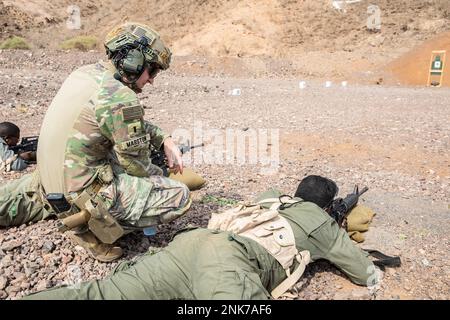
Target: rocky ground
{"type": "Point", "coordinates": [394, 140]}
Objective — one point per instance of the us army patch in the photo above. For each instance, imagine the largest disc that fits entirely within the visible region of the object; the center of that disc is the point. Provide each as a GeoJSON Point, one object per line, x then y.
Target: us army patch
{"type": "Point", "coordinates": [135, 142]}
{"type": "Point", "coordinates": [132, 113]}
{"type": "Point", "coordinates": [134, 129]}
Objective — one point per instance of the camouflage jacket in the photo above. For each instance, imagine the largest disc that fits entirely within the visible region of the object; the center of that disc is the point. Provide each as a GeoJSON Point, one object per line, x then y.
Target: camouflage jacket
{"type": "Point", "coordinates": [104, 128]}
{"type": "Point", "coordinates": [8, 160]}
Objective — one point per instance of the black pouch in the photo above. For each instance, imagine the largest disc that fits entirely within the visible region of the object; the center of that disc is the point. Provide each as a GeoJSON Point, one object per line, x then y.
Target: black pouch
{"type": "Point", "coordinates": [58, 202]}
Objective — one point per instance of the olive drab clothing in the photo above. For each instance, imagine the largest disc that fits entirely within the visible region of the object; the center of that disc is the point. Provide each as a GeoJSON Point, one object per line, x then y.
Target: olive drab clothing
{"type": "Point", "coordinates": [8, 160]}
{"type": "Point", "coordinates": [20, 202]}
{"type": "Point", "coordinates": [214, 264]}
{"type": "Point", "coordinates": [198, 264]}
{"type": "Point", "coordinates": [318, 233]}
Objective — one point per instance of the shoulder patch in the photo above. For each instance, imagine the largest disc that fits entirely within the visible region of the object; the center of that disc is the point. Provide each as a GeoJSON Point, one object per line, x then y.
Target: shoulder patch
{"type": "Point", "coordinates": [134, 128]}
{"type": "Point", "coordinates": [132, 113]}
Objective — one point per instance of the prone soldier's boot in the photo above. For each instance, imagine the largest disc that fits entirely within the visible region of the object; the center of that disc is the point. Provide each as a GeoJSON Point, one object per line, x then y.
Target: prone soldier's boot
{"type": "Point", "coordinates": [98, 250]}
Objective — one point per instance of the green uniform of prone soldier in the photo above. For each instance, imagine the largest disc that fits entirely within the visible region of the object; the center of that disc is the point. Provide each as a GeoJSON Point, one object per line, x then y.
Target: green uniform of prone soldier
{"type": "Point", "coordinates": [94, 149]}
{"type": "Point", "coordinates": [238, 260]}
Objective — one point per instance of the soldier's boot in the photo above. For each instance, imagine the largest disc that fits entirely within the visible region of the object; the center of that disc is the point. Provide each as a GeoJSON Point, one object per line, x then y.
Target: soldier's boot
{"type": "Point", "coordinates": [96, 249]}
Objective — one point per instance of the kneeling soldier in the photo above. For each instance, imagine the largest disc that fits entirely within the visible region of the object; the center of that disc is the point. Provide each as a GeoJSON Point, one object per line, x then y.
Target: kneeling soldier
{"type": "Point", "coordinates": [94, 151]}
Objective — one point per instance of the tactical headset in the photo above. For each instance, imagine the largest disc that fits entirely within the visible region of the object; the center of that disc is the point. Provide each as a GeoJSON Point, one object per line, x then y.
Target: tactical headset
{"type": "Point", "coordinates": [130, 60]}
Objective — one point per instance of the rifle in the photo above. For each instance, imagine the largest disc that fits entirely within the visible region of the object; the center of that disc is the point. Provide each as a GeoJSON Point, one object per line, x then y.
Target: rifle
{"type": "Point", "coordinates": [158, 157]}
{"type": "Point", "coordinates": [26, 144]}
{"type": "Point", "coordinates": [340, 208]}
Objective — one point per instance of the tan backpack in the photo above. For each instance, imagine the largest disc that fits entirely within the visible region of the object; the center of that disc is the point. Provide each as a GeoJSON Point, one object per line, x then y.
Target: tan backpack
{"type": "Point", "coordinates": [271, 231]}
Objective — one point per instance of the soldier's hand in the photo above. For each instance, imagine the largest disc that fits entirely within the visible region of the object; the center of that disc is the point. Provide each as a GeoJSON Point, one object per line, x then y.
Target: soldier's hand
{"type": "Point", "coordinates": [28, 156]}
{"type": "Point", "coordinates": [173, 154]}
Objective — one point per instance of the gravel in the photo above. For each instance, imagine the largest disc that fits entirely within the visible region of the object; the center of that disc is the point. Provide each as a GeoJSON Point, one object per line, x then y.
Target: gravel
{"type": "Point", "coordinates": [394, 140]}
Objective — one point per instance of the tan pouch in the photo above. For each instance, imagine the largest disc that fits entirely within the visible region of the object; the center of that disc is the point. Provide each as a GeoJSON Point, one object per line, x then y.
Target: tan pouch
{"type": "Point", "coordinates": [359, 218]}
{"type": "Point", "coordinates": [356, 236]}
{"type": "Point", "coordinates": [105, 174]}
{"type": "Point", "coordinates": [102, 224]}
{"type": "Point", "coordinates": [283, 237]}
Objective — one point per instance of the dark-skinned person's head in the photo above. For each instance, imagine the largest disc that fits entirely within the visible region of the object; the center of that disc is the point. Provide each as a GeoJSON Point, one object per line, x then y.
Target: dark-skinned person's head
{"type": "Point", "coordinates": [317, 189]}
{"type": "Point", "coordinates": [10, 133]}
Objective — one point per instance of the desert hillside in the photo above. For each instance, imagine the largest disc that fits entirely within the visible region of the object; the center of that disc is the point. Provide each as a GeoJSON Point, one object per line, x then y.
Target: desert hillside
{"type": "Point", "coordinates": [301, 38]}
{"type": "Point", "coordinates": [235, 28]}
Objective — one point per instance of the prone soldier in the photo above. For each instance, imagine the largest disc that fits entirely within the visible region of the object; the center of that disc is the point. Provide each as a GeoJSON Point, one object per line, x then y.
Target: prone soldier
{"type": "Point", "coordinates": [255, 251]}
{"type": "Point", "coordinates": [12, 157]}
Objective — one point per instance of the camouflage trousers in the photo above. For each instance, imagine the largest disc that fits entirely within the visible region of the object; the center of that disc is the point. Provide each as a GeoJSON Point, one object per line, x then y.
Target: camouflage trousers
{"type": "Point", "coordinates": [134, 201]}
{"type": "Point", "coordinates": [138, 202]}
{"type": "Point", "coordinates": [197, 264]}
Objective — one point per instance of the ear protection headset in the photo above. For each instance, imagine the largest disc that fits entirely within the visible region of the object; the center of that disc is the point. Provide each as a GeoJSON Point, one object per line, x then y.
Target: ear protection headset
{"type": "Point", "coordinates": [130, 60]}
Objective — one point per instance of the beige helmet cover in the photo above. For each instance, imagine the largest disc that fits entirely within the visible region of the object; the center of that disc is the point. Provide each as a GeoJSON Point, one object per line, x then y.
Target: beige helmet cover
{"type": "Point", "coordinates": [133, 31]}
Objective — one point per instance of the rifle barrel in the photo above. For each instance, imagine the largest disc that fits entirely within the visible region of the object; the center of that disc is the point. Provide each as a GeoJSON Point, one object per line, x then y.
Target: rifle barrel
{"type": "Point", "coordinates": [363, 191]}
{"type": "Point", "coordinates": [197, 145]}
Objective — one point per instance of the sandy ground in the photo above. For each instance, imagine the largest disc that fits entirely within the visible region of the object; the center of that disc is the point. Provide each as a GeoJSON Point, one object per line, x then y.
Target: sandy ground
{"type": "Point", "coordinates": [394, 140]}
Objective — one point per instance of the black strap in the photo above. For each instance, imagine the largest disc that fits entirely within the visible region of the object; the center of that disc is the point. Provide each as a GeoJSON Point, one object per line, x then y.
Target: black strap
{"type": "Point", "coordinates": [285, 205]}
{"type": "Point", "coordinates": [384, 260]}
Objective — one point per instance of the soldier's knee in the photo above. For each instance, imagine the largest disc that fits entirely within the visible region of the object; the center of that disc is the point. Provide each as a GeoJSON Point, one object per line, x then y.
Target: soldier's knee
{"type": "Point", "coordinates": [186, 195]}
{"type": "Point", "coordinates": [182, 204]}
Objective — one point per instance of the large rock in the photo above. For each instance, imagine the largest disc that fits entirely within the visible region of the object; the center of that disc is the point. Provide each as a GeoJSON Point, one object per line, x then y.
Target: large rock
{"type": "Point", "coordinates": [10, 245]}
{"type": "Point", "coordinates": [3, 282]}
{"type": "Point", "coordinates": [43, 284]}
{"type": "Point", "coordinates": [6, 261]}
{"type": "Point", "coordinates": [48, 246]}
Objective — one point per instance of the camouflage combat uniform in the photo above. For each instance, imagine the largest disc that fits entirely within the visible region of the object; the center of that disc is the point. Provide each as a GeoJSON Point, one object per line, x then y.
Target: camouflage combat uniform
{"type": "Point", "coordinates": [210, 264]}
{"type": "Point", "coordinates": [94, 133]}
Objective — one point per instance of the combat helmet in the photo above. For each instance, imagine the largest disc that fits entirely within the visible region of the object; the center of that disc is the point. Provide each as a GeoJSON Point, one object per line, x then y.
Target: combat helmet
{"type": "Point", "coordinates": [132, 46]}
